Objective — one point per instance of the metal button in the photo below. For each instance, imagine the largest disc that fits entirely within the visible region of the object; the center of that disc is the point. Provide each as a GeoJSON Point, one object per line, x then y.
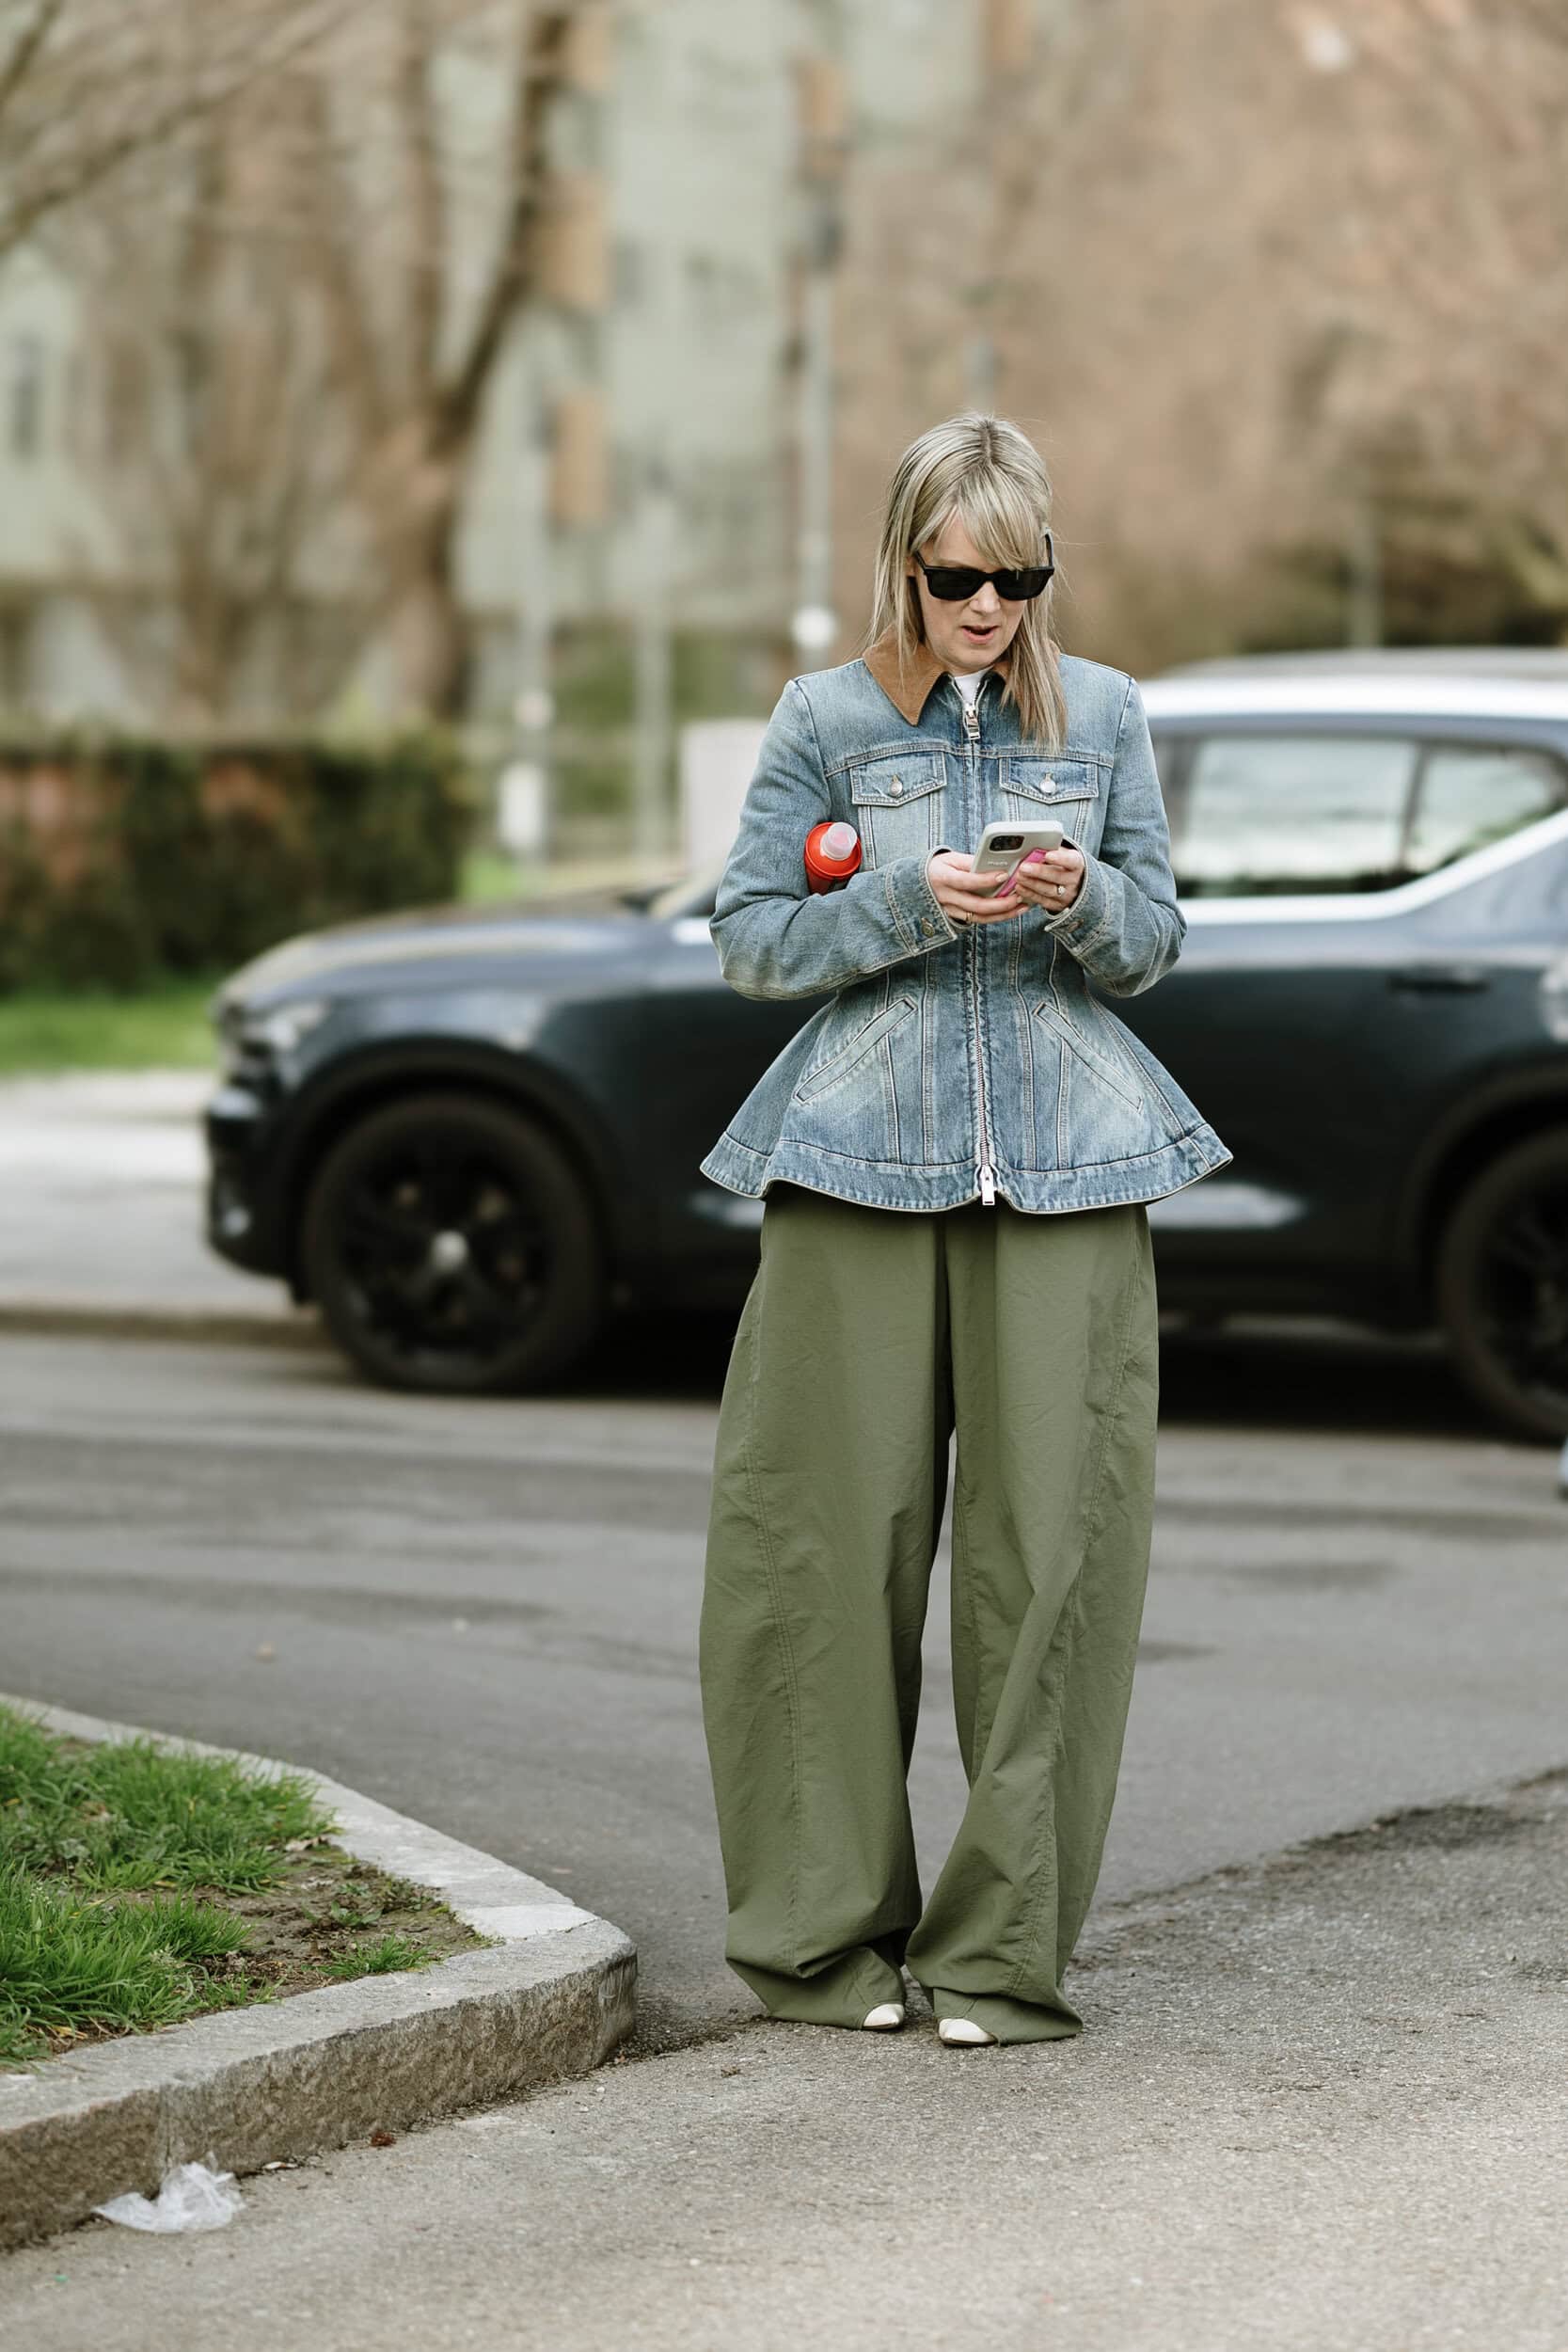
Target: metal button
{"type": "Point", "coordinates": [894, 785]}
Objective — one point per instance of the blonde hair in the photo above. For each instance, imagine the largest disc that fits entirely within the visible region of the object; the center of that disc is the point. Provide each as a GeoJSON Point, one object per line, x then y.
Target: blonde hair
{"type": "Point", "coordinates": [983, 472]}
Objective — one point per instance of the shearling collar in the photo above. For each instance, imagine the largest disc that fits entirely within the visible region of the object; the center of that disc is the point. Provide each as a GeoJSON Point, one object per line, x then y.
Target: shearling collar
{"type": "Point", "coordinates": [908, 690]}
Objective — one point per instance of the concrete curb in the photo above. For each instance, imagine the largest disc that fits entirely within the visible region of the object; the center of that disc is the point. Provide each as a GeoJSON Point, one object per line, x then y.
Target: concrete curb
{"type": "Point", "coordinates": [552, 1996]}
{"type": "Point", "coordinates": [95, 1318]}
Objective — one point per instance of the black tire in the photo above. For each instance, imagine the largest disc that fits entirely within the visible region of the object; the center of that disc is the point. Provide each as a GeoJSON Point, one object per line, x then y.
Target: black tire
{"type": "Point", "coordinates": [1503, 1287]}
{"type": "Point", "coordinates": [452, 1250]}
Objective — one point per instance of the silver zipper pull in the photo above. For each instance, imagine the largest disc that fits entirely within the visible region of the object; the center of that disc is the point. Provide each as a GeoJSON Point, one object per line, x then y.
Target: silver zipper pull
{"type": "Point", "coordinates": [971, 723]}
{"type": "Point", "coordinates": [988, 1186]}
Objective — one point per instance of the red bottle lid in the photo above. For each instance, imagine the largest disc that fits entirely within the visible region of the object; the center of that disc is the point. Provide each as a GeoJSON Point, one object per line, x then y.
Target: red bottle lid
{"type": "Point", "coordinates": [833, 854]}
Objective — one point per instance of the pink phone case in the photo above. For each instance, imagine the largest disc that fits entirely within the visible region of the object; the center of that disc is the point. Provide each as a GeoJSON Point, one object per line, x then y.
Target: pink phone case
{"type": "Point", "coordinates": [1030, 857]}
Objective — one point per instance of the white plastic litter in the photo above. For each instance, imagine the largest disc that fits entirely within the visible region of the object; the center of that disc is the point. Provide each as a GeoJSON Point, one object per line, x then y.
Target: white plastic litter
{"type": "Point", "coordinates": [192, 2197]}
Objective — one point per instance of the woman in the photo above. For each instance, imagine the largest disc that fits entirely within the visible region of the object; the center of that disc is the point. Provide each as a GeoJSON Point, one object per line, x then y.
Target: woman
{"type": "Point", "coordinates": [955, 1154]}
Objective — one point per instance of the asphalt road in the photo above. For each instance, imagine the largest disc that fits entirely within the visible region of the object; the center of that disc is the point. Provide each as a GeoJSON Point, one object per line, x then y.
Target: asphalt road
{"type": "Point", "coordinates": [484, 1615]}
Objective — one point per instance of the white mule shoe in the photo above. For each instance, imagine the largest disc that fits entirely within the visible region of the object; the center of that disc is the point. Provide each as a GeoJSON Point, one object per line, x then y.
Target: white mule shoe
{"type": "Point", "coordinates": [885, 2018]}
{"type": "Point", "coordinates": [962, 2032]}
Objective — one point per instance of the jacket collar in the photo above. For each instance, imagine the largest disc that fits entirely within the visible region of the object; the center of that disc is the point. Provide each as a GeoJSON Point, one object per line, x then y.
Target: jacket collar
{"type": "Point", "coordinates": [909, 689]}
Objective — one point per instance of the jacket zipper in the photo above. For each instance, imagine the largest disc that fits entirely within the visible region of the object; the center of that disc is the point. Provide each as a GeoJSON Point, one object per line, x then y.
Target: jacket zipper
{"type": "Point", "coordinates": [984, 1172]}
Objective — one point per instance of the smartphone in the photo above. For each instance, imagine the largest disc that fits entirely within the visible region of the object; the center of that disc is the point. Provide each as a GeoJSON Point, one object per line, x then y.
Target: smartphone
{"type": "Point", "coordinates": [1006, 844]}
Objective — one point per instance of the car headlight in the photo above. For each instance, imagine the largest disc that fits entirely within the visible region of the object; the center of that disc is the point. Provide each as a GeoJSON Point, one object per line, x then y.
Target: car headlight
{"type": "Point", "coordinates": [279, 1030]}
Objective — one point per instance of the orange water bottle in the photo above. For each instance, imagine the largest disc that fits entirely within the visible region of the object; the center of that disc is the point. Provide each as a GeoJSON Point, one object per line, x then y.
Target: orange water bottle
{"type": "Point", "coordinates": [833, 854]}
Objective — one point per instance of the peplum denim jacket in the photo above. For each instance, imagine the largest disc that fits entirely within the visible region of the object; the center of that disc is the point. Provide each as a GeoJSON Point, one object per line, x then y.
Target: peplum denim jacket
{"type": "Point", "coordinates": [955, 1062]}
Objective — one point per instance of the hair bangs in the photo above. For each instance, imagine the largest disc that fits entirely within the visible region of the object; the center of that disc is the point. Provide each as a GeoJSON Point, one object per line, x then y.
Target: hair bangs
{"type": "Point", "coordinates": [1003, 521]}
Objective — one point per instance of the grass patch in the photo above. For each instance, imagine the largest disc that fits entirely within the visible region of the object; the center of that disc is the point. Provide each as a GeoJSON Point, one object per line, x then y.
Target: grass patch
{"type": "Point", "coordinates": [382, 1958]}
{"type": "Point", "coordinates": [490, 875]}
{"type": "Point", "coordinates": [69, 1964]}
{"type": "Point", "coordinates": [139, 1887]}
{"type": "Point", "coordinates": [163, 1027]}
{"type": "Point", "coordinates": [131, 1814]}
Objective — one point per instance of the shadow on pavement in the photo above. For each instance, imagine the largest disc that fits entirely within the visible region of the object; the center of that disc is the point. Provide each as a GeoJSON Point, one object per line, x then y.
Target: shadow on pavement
{"type": "Point", "coordinates": [1249, 1375]}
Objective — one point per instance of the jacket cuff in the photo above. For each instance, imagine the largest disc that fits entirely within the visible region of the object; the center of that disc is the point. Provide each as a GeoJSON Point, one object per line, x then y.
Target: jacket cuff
{"type": "Point", "coordinates": [946, 927]}
{"type": "Point", "coordinates": [916, 910]}
{"type": "Point", "coordinates": [1083, 921]}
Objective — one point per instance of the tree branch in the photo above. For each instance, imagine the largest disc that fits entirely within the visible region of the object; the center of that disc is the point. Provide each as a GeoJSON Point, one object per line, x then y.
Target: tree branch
{"type": "Point", "coordinates": [544, 53]}
{"type": "Point", "coordinates": [428, 247]}
{"type": "Point", "coordinates": [26, 49]}
{"type": "Point", "coordinates": [90, 160]}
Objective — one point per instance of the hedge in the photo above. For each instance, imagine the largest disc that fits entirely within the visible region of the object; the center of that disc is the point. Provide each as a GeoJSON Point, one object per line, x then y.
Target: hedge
{"type": "Point", "coordinates": [124, 860]}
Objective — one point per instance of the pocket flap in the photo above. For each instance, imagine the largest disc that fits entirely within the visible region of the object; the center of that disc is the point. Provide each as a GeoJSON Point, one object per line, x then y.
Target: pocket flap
{"type": "Point", "coordinates": [902, 776]}
{"type": "Point", "coordinates": [1064, 779]}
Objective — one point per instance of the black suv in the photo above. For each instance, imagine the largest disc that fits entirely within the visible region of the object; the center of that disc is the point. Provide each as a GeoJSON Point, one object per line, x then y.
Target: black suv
{"type": "Point", "coordinates": [470, 1133]}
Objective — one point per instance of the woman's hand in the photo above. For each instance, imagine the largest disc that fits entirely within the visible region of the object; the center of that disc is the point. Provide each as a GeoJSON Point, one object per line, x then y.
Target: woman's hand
{"type": "Point", "coordinates": [1050, 879]}
{"type": "Point", "coordinates": [963, 897]}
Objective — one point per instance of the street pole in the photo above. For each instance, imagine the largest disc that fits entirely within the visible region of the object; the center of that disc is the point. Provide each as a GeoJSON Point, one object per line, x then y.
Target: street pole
{"type": "Point", "coordinates": [523, 814]}
{"type": "Point", "coordinates": [653, 671]}
{"type": "Point", "coordinates": [815, 623]}
{"type": "Point", "coordinates": [823, 144]}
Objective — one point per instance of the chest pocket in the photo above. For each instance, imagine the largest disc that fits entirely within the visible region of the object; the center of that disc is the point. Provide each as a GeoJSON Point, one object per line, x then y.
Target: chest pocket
{"type": "Point", "coordinates": [1065, 788]}
{"type": "Point", "coordinates": [899, 805]}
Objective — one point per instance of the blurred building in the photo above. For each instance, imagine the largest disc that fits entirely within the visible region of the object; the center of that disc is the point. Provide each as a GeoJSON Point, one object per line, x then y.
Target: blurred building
{"type": "Point", "coordinates": [643, 444]}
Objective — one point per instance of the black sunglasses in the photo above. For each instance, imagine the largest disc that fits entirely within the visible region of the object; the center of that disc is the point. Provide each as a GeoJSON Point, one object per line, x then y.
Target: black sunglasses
{"type": "Point", "coordinates": [955, 584]}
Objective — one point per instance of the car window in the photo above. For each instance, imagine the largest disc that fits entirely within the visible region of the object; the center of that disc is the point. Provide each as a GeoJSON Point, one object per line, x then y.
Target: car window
{"type": "Point", "coordinates": [1292, 812]}
{"type": "Point", "coordinates": [1470, 794]}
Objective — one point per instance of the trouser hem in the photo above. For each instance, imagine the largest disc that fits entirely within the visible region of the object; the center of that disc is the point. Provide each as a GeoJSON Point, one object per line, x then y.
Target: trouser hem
{"type": "Point", "coordinates": [843, 1995]}
{"type": "Point", "coordinates": [1008, 2020]}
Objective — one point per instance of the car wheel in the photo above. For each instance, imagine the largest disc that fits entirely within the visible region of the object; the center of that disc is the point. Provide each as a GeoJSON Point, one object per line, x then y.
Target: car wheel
{"type": "Point", "coordinates": [1503, 1287]}
{"type": "Point", "coordinates": [450, 1250]}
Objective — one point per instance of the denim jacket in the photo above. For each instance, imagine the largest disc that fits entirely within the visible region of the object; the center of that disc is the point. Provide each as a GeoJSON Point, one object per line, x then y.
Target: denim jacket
{"type": "Point", "coordinates": [955, 1062]}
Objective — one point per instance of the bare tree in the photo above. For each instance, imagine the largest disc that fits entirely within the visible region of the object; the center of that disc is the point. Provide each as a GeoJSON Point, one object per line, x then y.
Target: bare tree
{"type": "Point", "coordinates": [216, 444]}
{"type": "Point", "coordinates": [427, 241]}
{"type": "Point", "coordinates": [1170, 323]}
{"type": "Point", "coordinates": [1452, 256]}
{"type": "Point", "coordinates": [1335, 302]}
{"type": "Point", "coordinates": [1284, 281]}
{"type": "Point", "coordinates": [86, 84]}
{"type": "Point", "coordinates": [1136, 328]}
{"type": "Point", "coordinates": [295, 313]}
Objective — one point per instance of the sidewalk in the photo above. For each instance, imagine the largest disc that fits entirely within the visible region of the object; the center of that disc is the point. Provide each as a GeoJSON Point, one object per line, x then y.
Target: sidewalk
{"type": "Point", "coordinates": [1318, 2107]}
{"type": "Point", "coordinates": [100, 1204]}
{"type": "Point", "coordinates": [550, 1991]}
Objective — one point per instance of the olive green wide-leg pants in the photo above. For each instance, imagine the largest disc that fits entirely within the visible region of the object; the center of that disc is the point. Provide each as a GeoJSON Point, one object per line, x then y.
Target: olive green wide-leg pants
{"type": "Point", "coordinates": [869, 1336]}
